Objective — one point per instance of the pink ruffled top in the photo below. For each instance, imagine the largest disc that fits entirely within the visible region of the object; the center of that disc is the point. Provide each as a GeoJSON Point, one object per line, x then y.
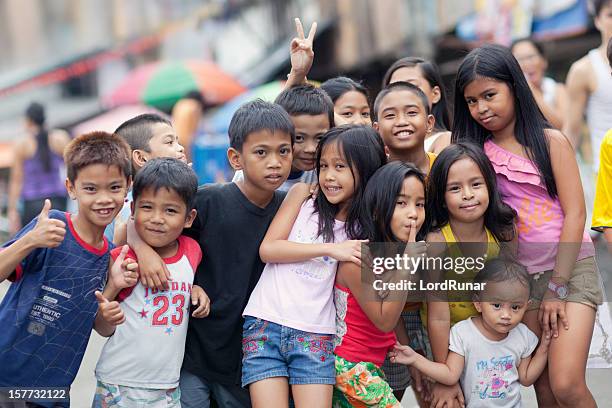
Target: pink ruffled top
{"type": "Point", "coordinates": [540, 217]}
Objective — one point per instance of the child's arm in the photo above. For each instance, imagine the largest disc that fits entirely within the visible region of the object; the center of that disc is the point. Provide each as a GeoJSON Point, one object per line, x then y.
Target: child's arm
{"type": "Point", "coordinates": [275, 248]}
{"type": "Point", "coordinates": [200, 299]}
{"type": "Point", "coordinates": [47, 233]}
{"type": "Point", "coordinates": [448, 373]}
{"type": "Point", "coordinates": [122, 274]}
{"type": "Point", "coordinates": [120, 234]}
{"type": "Point", "coordinates": [530, 368]}
{"type": "Point", "coordinates": [571, 197]}
{"type": "Point", "coordinates": [153, 270]}
{"type": "Point", "coordinates": [301, 54]}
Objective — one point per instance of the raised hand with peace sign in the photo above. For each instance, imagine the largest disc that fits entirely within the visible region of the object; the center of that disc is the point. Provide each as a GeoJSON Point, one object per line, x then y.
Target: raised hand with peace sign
{"type": "Point", "coordinates": [302, 54]}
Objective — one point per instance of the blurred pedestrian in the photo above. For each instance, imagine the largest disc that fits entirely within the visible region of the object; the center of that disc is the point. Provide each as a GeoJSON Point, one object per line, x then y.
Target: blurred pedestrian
{"type": "Point", "coordinates": [550, 95]}
{"type": "Point", "coordinates": [36, 170]}
{"type": "Point", "coordinates": [186, 115]}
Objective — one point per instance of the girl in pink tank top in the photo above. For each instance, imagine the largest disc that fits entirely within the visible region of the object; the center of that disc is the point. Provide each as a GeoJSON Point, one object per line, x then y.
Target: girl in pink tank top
{"type": "Point", "coordinates": [538, 176]}
{"type": "Point", "coordinates": [290, 316]}
{"type": "Point", "coordinates": [393, 212]}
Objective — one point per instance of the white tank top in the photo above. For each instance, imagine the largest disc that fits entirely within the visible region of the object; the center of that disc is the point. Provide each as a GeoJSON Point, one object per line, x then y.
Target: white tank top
{"type": "Point", "coordinates": [599, 107]}
{"type": "Point", "coordinates": [299, 295]}
{"type": "Point", "coordinates": [549, 91]}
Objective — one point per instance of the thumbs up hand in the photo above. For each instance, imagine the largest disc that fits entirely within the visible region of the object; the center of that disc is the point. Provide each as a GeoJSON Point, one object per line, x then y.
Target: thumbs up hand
{"type": "Point", "coordinates": [124, 271]}
{"type": "Point", "coordinates": [48, 232]}
{"type": "Point", "coordinates": [109, 311]}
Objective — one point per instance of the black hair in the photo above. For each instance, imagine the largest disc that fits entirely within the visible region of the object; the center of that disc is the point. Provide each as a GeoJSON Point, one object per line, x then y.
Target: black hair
{"type": "Point", "coordinates": [610, 52]}
{"type": "Point", "coordinates": [400, 86]}
{"type": "Point", "coordinates": [380, 199]}
{"type": "Point", "coordinates": [497, 63]}
{"type": "Point", "coordinates": [364, 152]}
{"type": "Point", "coordinates": [500, 270]}
{"type": "Point", "coordinates": [137, 131]}
{"type": "Point", "coordinates": [196, 96]}
{"type": "Point", "coordinates": [35, 113]}
{"type": "Point", "coordinates": [498, 218]}
{"type": "Point", "coordinates": [169, 173]}
{"type": "Point", "coordinates": [97, 148]}
{"type": "Point", "coordinates": [531, 41]}
{"type": "Point", "coordinates": [255, 116]}
{"type": "Point", "coordinates": [306, 99]}
{"type": "Point", "coordinates": [595, 6]}
{"type": "Point", "coordinates": [338, 86]}
{"type": "Point", "coordinates": [431, 73]}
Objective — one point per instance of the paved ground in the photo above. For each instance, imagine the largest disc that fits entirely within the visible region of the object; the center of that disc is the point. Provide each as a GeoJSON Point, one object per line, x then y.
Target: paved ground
{"type": "Point", "coordinates": [599, 380]}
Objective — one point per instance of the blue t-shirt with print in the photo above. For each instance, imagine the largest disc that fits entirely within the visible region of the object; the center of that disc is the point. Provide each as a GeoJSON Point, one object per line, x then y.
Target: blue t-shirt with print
{"type": "Point", "coordinates": [48, 313]}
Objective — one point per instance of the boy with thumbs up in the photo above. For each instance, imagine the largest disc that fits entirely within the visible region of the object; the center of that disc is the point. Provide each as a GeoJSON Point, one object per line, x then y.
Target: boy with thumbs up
{"type": "Point", "coordinates": [56, 263]}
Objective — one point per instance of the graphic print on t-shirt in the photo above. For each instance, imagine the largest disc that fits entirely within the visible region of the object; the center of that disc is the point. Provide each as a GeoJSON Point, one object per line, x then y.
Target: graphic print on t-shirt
{"type": "Point", "coordinates": [492, 379]}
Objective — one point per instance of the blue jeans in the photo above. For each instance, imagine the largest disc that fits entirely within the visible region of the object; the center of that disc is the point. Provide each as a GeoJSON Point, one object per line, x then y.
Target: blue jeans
{"type": "Point", "coordinates": [273, 350]}
{"type": "Point", "coordinates": [196, 392]}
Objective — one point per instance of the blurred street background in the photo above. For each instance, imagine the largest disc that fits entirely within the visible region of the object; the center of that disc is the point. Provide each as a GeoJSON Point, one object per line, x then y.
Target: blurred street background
{"type": "Point", "coordinates": [96, 63]}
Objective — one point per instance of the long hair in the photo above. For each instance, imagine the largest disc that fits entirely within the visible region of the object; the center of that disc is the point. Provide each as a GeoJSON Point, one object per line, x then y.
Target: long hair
{"type": "Point", "coordinates": [380, 198]}
{"type": "Point", "coordinates": [431, 73]}
{"type": "Point", "coordinates": [497, 62]}
{"type": "Point", "coordinates": [35, 113]}
{"type": "Point", "coordinates": [498, 218]}
{"type": "Point", "coordinates": [364, 152]}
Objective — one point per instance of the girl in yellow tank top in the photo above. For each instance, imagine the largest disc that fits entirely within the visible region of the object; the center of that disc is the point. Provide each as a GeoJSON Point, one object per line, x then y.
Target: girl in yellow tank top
{"type": "Point", "coordinates": [465, 217]}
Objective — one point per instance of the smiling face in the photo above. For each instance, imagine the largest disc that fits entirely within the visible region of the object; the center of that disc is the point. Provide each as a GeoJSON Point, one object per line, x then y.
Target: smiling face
{"type": "Point", "coordinates": [403, 122]}
{"type": "Point", "coordinates": [503, 307]}
{"type": "Point", "coordinates": [159, 218]}
{"type": "Point", "coordinates": [335, 177]}
{"type": "Point", "coordinates": [466, 195]}
{"type": "Point", "coordinates": [164, 143]}
{"type": "Point", "coordinates": [409, 206]}
{"type": "Point", "coordinates": [265, 159]}
{"type": "Point", "coordinates": [309, 130]}
{"type": "Point", "coordinates": [491, 104]}
{"type": "Point", "coordinates": [352, 108]}
{"type": "Point", "coordinates": [532, 63]}
{"type": "Point", "coordinates": [100, 191]}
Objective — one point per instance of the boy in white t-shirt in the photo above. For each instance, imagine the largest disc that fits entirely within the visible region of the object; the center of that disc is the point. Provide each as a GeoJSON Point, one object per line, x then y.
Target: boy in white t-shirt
{"type": "Point", "coordinates": [491, 353]}
{"type": "Point", "coordinates": [140, 363]}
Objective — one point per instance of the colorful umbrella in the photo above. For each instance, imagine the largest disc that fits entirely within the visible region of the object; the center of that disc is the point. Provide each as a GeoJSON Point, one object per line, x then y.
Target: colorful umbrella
{"type": "Point", "coordinates": [218, 122]}
{"type": "Point", "coordinates": [161, 84]}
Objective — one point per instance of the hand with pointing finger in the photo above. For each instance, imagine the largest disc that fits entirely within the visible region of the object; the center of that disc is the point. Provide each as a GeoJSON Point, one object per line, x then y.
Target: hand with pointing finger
{"type": "Point", "coordinates": [48, 232]}
{"type": "Point", "coordinates": [109, 311]}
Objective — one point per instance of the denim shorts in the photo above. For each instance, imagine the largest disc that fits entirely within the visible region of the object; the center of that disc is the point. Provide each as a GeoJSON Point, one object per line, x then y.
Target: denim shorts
{"type": "Point", "coordinates": [272, 350]}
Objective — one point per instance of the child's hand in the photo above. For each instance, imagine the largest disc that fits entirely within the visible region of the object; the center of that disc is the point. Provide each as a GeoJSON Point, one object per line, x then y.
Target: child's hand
{"type": "Point", "coordinates": [48, 232]}
{"type": "Point", "coordinates": [300, 49]}
{"type": "Point", "coordinates": [544, 344]}
{"type": "Point", "coordinates": [154, 273]}
{"type": "Point", "coordinates": [414, 249]}
{"type": "Point", "coordinates": [201, 299]}
{"type": "Point", "coordinates": [552, 310]}
{"type": "Point", "coordinates": [348, 251]}
{"type": "Point", "coordinates": [402, 354]}
{"type": "Point", "coordinates": [110, 311]}
{"type": "Point", "coordinates": [123, 272]}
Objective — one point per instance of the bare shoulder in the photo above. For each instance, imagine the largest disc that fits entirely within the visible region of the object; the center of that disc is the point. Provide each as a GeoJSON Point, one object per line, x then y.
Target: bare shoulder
{"type": "Point", "coordinates": [557, 140]}
{"type": "Point", "coordinates": [580, 74]}
{"type": "Point", "coordinates": [58, 139]}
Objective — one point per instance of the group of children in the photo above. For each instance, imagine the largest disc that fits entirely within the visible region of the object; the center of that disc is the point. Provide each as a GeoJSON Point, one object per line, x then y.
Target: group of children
{"type": "Point", "coordinates": [274, 281]}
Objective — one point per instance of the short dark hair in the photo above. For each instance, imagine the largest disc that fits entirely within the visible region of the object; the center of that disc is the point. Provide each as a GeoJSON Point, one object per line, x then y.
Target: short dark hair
{"type": "Point", "coordinates": [258, 115]}
{"type": "Point", "coordinates": [306, 99]}
{"type": "Point", "coordinates": [400, 86]}
{"type": "Point", "coordinates": [137, 131]}
{"type": "Point", "coordinates": [502, 269]}
{"type": "Point", "coordinates": [169, 173]}
{"type": "Point", "coordinates": [610, 52]}
{"type": "Point", "coordinates": [97, 148]}
{"type": "Point", "coordinates": [431, 73]}
{"type": "Point", "coordinates": [338, 86]}
{"type": "Point", "coordinates": [595, 6]}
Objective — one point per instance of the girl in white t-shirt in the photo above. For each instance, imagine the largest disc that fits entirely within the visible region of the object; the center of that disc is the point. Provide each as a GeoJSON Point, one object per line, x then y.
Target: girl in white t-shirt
{"type": "Point", "coordinates": [290, 317]}
{"type": "Point", "coordinates": [491, 354]}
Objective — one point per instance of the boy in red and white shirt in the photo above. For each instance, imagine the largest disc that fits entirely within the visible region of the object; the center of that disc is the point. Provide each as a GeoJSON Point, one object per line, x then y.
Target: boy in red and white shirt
{"type": "Point", "coordinates": [141, 361]}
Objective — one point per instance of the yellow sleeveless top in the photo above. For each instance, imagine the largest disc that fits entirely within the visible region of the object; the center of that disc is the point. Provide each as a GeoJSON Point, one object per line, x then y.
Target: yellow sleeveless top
{"type": "Point", "coordinates": [461, 310]}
